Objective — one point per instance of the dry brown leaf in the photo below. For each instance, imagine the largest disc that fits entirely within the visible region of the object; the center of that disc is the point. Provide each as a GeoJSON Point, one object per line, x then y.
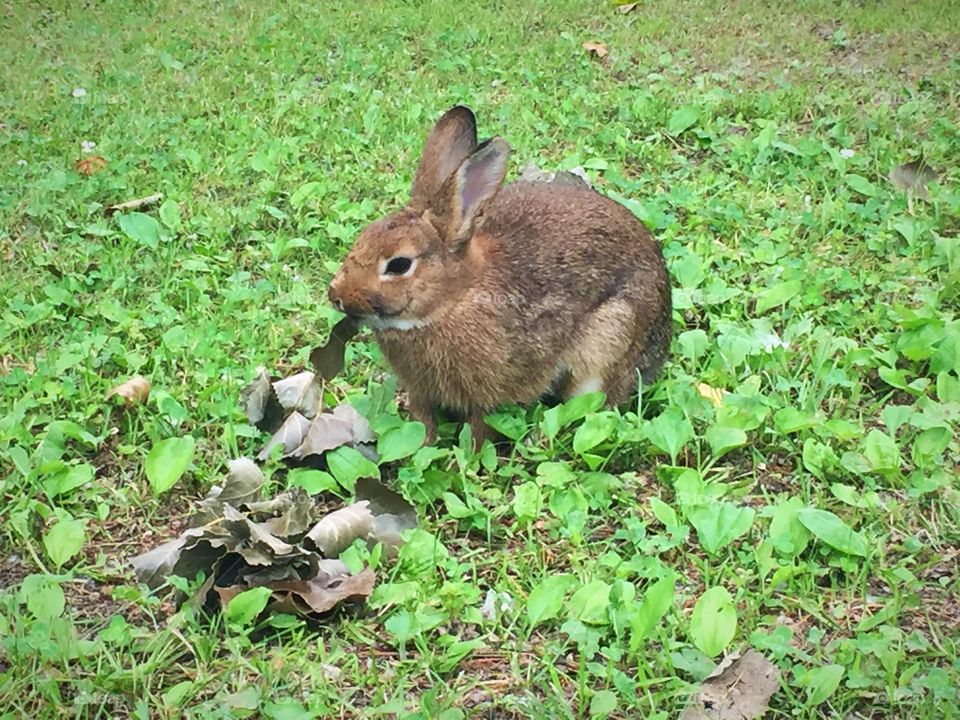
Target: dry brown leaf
{"type": "Point", "coordinates": [299, 392]}
{"type": "Point", "coordinates": [327, 359]}
{"type": "Point", "coordinates": [322, 593]}
{"type": "Point", "coordinates": [738, 690]}
{"type": "Point", "coordinates": [290, 435]}
{"type": "Point", "coordinates": [336, 531]}
{"type": "Point", "coordinates": [90, 164]}
{"type": "Point", "coordinates": [596, 49]}
{"type": "Point", "coordinates": [135, 204]}
{"type": "Point", "coordinates": [260, 403]}
{"type": "Point", "coordinates": [914, 177]}
{"type": "Point", "coordinates": [714, 396]}
{"type": "Point", "coordinates": [626, 8]}
{"type": "Point", "coordinates": [133, 391]}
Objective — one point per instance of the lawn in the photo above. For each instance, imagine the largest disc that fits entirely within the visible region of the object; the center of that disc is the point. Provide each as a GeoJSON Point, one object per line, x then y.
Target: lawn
{"type": "Point", "coordinates": [788, 485]}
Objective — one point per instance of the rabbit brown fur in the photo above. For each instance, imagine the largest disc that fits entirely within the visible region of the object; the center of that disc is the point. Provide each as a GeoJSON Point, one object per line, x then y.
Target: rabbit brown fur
{"type": "Point", "coordinates": [480, 294]}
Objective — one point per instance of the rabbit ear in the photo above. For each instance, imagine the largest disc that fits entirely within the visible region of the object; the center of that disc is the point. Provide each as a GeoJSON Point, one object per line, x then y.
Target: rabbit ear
{"type": "Point", "coordinates": [475, 183]}
{"type": "Point", "coordinates": [453, 138]}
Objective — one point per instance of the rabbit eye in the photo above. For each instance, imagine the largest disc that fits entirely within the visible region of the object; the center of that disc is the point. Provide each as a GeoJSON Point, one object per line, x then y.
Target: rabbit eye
{"type": "Point", "coordinates": [399, 265]}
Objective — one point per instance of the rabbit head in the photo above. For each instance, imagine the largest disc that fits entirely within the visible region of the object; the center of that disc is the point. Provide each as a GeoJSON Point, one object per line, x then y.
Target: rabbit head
{"type": "Point", "coordinates": [404, 269]}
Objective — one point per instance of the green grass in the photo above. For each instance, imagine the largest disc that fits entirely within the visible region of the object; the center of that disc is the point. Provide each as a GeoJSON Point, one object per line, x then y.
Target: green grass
{"type": "Point", "coordinates": [806, 286]}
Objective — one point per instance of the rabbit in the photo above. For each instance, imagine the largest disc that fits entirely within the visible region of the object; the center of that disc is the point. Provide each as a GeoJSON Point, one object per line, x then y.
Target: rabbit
{"type": "Point", "coordinates": [480, 293]}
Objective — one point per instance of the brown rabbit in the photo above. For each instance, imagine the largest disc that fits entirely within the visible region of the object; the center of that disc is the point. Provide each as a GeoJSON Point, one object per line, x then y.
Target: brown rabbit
{"type": "Point", "coordinates": [480, 294]}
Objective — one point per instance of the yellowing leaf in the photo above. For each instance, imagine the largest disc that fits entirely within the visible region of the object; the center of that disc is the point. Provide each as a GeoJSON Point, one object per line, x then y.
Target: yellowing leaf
{"type": "Point", "coordinates": [133, 391]}
{"type": "Point", "coordinates": [711, 394]}
{"type": "Point", "coordinates": [596, 49]}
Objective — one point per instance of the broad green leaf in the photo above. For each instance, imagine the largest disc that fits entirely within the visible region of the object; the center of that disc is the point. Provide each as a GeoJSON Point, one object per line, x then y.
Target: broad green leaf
{"type": "Point", "coordinates": [313, 481]}
{"type": "Point", "coordinates": [555, 474]}
{"type": "Point", "coordinates": [67, 479]}
{"type": "Point", "coordinates": [244, 608]}
{"type": "Point", "coordinates": [401, 442]}
{"type": "Point", "coordinates": [170, 214]}
{"type": "Point", "coordinates": [663, 512]}
{"type": "Point", "coordinates": [789, 420]}
{"type": "Point", "coordinates": [589, 603]}
{"type": "Point", "coordinates": [546, 600]}
{"type": "Point", "coordinates": [527, 502]}
{"type": "Point", "coordinates": [860, 184]}
{"type": "Point", "coordinates": [830, 529]}
{"type": "Point", "coordinates": [596, 429]}
{"type": "Point", "coordinates": [657, 600]}
{"type": "Point", "coordinates": [881, 452]}
{"type": "Point", "coordinates": [724, 439]}
{"type": "Point", "coordinates": [719, 524]}
{"type": "Point", "coordinates": [64, 540]}
{"type": "Point", "coordinates": [822, 682]}
{"type": "Point", "coordinates": [818, 457]}
{"type": "Point", "coordinates": [306, 192]}
{"type": "Point", "coordinates": [43, 596]}
{"type": "Point", "coordinates": [576, 408]}
{"type": "Point", "coordinates": [683, 118]}
{"type": "Point", "coordinates": [777, 295]}
{"type": "Point", "coordinates": [140, 228]}
{"type": "Point", "coordinates": [167, 461]}
{"type": "Point", "coordinates": [788, 535]}
{"type": "Point", "coordinates": [603, 703]}
{"type": "Point", "coordinates": [713, 623]}
{"type": "Point", "coordinates": [669, 432]}
{"type": "Point", "coordinates": [347, 465]}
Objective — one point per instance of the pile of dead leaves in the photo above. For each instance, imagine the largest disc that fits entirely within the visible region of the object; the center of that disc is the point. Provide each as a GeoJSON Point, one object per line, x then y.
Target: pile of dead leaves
{"type": "Point", "coordinates": [242, 539]}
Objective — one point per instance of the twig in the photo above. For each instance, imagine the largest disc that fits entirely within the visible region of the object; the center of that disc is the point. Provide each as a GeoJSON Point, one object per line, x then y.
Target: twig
{"type": "Point", "coordinates": [135, 204]}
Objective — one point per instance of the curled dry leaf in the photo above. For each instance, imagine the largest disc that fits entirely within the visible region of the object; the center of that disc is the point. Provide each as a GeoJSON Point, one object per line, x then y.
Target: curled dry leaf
{"type": "Point", "coordinates": [135, 204]}
{"type": "Point", "coordinates": [392, 514]}
{"type": "Point", "coordinates": [737, 690]}
{"type": "Point", "coordinates": [90, 164]}
{"type": "Point", "coordinates": [133, 391]}
{"type": "Point", "coordinates": [596, 49]}
{"type": "Point", "coordinates": [290, 436]}
{"type": "Point", "coordinates": [260, 403]}
{"type": "Point", "coordinates": [327, 359]}
{"type": "Point", "coordinates": [301, 438]}
{"type": "Point", "coordinates": [914, 177]}
{"type": "Point", "coordinates": [336, 531]}
{"type": "Point", "coordinates": [299, 392]}
{"type": "Point", "coordinates": [244, 483]}
{"type": "Point", "coordinates": [318, 596]}
{"type": "Point", "coordinates": [714, 396]}
{"type": "Point", "coordinates": [625, 8]}
{"type": "Point", "coordinates": [287, 514]}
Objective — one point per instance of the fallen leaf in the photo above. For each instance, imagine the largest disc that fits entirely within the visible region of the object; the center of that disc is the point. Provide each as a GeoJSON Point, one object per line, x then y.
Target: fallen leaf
{"type": "Point", "coordinates": [90, 164]}
{"type": "Point", "coordinates": [362, 432]}
{"type": "Point", "coordinates": [135, 204]}
{"type": "Point", "coordinates": [326, 432]}
{"type": "Point", "coordinates": [299, 392]}
{"type": "Point", "coordinates": [914, 177]}
{"type": "Point", "coordinates": [133, 391]}
{"type": "Point", "coordinates": [327, 359]}
{"type": "Point", "coordinates": [260, 403]}
{"type": "Point", "coordinates": [595, 49]}
{"type": "Point", "coordinates": [287, 514]}
{"type": "Point", "coordinates": [739, 689]}
{"type": "Point", "coordinates": [290, 436]}
{"type": "Point", "coordinates": [322, 593]}
{"type": "Point", "coordinates": [626, 7]}
{"type": "Point", "coordinates": [336, 531]}
{"type": "Point", "coordinates": [392, 514]}
{"type": "Point", "coordinates": [714, 396]}
{"type": "Point", "coordinates": [244, 482]}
